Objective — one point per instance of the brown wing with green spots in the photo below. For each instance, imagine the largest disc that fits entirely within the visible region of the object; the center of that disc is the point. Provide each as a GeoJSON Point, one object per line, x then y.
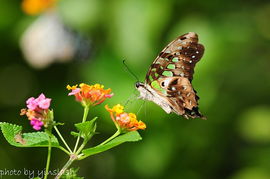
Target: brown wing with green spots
{"type": "Point", "coordinates": [181, 96]}
{"type": "Point", "coordinates": [173, 71]}
{"type": "Point", "coordinates": [177, 59]}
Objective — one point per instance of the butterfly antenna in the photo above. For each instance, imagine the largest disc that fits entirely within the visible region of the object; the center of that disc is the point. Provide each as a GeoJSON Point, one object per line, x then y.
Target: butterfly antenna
{"type": "Point", "coordinates": [145, 108]}
{"type": "Point", "coordinates": [140, 107]}
{"type": "Point", "coordinates": [130, 72]}
{"type": "Point", "coordinates": [130, 98]}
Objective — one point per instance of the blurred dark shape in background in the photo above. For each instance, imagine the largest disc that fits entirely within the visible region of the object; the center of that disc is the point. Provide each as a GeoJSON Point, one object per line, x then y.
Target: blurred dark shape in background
{"type": "Point", "coordinates": [47, 40]}
{"type": "Point", "coordinates": [232, 80]}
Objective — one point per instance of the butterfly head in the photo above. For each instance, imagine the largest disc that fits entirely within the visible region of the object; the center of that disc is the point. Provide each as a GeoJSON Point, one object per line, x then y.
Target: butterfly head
{"type": "Point", "coordinates": [142, 88]}
{"type": "Point", "coordinates": [139, 84]}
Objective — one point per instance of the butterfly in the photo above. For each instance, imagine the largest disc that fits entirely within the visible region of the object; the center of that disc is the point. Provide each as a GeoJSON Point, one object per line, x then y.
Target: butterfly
{"type": "Point", "coordinates": [48, 40]}
{"type": "Point", "coordinates": [168, 80]}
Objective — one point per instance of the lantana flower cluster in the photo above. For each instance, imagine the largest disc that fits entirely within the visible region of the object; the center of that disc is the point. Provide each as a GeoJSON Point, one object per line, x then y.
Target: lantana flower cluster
{"type": "Point", "coordinates": [90, 94]}
{"type": "Point", "coordinates": [39, 114]}
{"type": "Point", "coordinates": [125, 121]}
{"type": "Point", "coordinates": [38, 111]}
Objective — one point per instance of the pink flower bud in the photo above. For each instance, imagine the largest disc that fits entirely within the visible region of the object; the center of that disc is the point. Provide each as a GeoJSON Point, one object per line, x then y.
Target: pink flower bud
{"type": "Point", "coordinates": [37, 124]}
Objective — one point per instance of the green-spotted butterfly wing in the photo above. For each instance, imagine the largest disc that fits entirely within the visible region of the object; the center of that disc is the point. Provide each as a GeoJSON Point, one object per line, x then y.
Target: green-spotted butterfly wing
{"type": "Point", "coordinates": [168, 81]}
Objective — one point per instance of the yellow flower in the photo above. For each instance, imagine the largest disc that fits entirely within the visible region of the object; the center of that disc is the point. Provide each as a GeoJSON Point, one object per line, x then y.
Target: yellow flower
{"type": "Point", "coordinates": [98, 86]}
{"type": "Point", "coordinates": [118, 109]}
{"type": "Point", "coordinates": [132, 116]}
{"type": "Point", "coordinates": [34, 7]}
{"type": "Point", "coordinates": [72, 87]}
{"type": "Point", "coordinates": [124, 121]}
{"type": "Point", "coordinates": [141, 125]}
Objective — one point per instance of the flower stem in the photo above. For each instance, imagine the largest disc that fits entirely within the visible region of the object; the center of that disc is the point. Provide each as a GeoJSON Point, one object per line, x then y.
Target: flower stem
{"type": "Point", "coordinates": [85, 114]}
{"type": "Point", "coordinates": [81, 147]}
{"type": "Point", "coordinates": [66, 166]}
{"type": "Point", "coordinates": [63, 140]}
{"type": "Point", "coordinates": [117, 133]}
{"type": "Point", "coordinates": [63, 149]}
{"type": "Point", "coordinates": [48, 156]}
{"type": "Point", "coordinates": [112, 137]}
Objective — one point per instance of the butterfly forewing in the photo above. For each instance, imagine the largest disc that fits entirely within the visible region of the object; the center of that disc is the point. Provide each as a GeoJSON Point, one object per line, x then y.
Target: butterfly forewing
{"type": "Point", "coordinates": [177, 59]}
{"type": "Point", "coordinates": [171, 74]}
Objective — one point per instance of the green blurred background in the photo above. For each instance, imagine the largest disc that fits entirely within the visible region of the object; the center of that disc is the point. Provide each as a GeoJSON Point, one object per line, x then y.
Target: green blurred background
{"type": "Point", "coordinates": [232, 80]}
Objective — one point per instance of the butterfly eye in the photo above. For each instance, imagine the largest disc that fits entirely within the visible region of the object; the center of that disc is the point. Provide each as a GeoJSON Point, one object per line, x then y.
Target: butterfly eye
{"type": "Point", "coordinates": [163, 84]}
{"type": "Point", "coordinates": [137, 84]}
{"type": "Point", "coordinates": [183, 38]}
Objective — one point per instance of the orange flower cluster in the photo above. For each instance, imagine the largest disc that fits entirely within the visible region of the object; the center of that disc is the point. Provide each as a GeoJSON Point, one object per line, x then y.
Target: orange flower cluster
{"type": "Point", "coordinates": [34, 7]}
{"type": "Point", "coordinates": [89, 94]}
{"type": "Point", "coordinates": [126, 121]}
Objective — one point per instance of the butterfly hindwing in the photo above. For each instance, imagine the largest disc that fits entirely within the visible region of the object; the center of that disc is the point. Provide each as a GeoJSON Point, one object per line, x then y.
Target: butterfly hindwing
{"type": "Point", "coordinates": [181, 96]}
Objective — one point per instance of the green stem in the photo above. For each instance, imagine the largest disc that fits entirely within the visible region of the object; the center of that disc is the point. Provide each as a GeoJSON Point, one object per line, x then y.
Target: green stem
{"type": "Point", "coordinates": [66, 166]}
{"type": "Point", "coordinates": [81, 147]}
{"type": "Point", "coordinates": [81, 156]}
{"type": "Point", "coordinates": [117, 133]}
{"type": "Point", "coordinates": [85, 114]}
{"type": "Point", "coordinates": [48, 156]}
{"type": "Point", "coordinates": [63, 140]}
{"type": "Point", "coordinates": [63, 149]}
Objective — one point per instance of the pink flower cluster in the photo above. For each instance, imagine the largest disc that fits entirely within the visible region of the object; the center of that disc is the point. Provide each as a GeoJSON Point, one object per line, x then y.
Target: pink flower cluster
{"type": "Point", "coordinates": [37, 124]}
{"type": "Point", "coordinates": [41, 102]}
{"type": "Point", "coordinates": [37, 110]}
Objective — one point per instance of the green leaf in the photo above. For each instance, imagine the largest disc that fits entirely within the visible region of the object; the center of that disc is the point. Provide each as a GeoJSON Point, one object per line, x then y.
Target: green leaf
{"type": "Point", "coordinates": [87, 129]}
{"type": "Point", "coordinates": [128, 137]}
{"type": "Point", "coordinates": [13, 134]}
